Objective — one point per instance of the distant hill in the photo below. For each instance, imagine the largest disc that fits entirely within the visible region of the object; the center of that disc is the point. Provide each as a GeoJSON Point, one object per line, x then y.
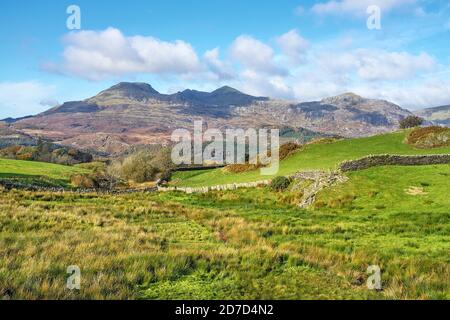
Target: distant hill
{"type": "Point", "coordinates": [11, 137]}
{"type": "Point", "coordinates": [438, 115]}
{"type": "Point", "coordinates": [12, 120]}
{"type": "Point", "coordinates": [130, 114]}
{"type": "Point", "coordinates": [314, 156]}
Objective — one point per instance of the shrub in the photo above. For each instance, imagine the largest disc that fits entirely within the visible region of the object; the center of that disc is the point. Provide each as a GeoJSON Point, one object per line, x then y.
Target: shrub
{"type": "Point", "coordinates": [82, 181]}
{"type": "Point", "coordinates": [46, 152]}
{"type": "Point", "coordinates": [96, 180]}
{"type": "Point", "coordinates": [429, 137]}
{"type": "Point", "coordinates": [93, 166]}
{"type": "Point", "coordinates": [287, 149]}
{"type": "Point", "coordinates": [411, 122]}
{"type": "Point", "coordinates": [143, 166]}
{"type": "Point", "coordinates": [239, 168]}
{"type": "Point", "coordinates": [280, 183]}
{"type": "Point", "coordinates": [138, 168]}
{"type": "Point", "coordinates": [323, 140]}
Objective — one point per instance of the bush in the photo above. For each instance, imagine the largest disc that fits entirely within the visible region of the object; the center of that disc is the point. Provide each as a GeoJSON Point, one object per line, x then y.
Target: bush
{"type": "Point", "coordinates": [143, 166]}
{"type": "Point", "coordinates": [46, 152]}
{"type": "Point", "coordinates": [93, 166]}
{"type": "Point", "coordinates": [280, 183]}
{"type": "Point", "coordinates": [82, 181]}
{"type": "Point", "coordinates": [429, 137]}
{"type": "Point", "coordinates": [138, 168]}
{"type": "Point", "coordinates": [287, 149]}
{"type": "Point", "coordinates": [239, 168]}
{"type": "Point", "coordinates": [411, 122]}
{"type": "Point", "coordinates": [96, 180]}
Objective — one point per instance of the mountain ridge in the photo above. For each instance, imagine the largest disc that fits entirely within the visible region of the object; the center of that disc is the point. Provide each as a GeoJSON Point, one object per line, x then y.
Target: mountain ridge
{"type": "Point", "coordinates": [437, 115]}
{"type": "Point", "coordinates": [129, 114]}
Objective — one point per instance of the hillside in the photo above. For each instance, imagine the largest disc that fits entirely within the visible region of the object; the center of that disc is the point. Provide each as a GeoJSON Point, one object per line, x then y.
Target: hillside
{"type": "Point", "coordinates": [312, 156]}
{"type": "Point", "coordinates": [245, 244]}
{"type": "Point", "coordinates": [249, 243]}
{"type": "Point", "coordinates": [11, 137]}
{"type": "Point", "coordinates": [37, 173]}
{"type": "Point", "coordinates": [437, 115]}
{"type": "Point", "coordinates": [129, 114]}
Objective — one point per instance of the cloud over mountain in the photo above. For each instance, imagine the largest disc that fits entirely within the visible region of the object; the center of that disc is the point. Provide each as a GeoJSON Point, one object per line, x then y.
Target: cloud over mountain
{"type": "Point", "coordinates": [287, 66]}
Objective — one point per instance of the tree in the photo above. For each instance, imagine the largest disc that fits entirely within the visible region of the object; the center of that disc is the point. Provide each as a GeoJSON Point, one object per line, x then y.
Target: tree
{"type": "Point", "coordinates": [411, 122]}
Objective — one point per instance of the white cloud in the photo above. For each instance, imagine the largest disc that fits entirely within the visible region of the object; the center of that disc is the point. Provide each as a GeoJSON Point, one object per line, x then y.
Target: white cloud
{"type": "Point", "coordinates": [391, 65]}
{"type": "Point", "coordinates": [374, 65]}
{"type": "Point", "coordinates": [357, 7]}
{"type": "Point", "coordinates": [423, 93]}
{"type": "Point", "coordinates": [293, 45]}
{"type": "Point", "coordinates": [49, 103]}
{"type": "Point", "coordinates": [420, 12]}
{"type": "Point", "coordinates": [97, 55]}
{"type": "Point", "coordinates": [299, 11]}
{"type": "Point", "coordinates": [19, 99]}
{"type": "Point", "coordinates": [255, 55]}
{"type": "Point", "coordinates": [260, 84]}
{"type": "Point", "coordinates": [222, 70]}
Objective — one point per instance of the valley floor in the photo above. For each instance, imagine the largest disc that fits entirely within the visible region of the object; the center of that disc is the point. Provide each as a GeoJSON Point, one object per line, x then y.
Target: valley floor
{"type": "Point", "coordinates": [242, 244]}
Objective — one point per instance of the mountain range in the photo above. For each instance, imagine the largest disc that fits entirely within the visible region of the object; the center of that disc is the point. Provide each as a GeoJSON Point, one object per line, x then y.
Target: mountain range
{"type": "Point", "coordinates": [129, 114]}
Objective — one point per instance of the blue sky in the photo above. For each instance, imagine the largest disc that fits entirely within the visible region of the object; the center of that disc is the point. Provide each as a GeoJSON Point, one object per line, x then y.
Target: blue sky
{"type": "Point", "coordinates": [298, 50]}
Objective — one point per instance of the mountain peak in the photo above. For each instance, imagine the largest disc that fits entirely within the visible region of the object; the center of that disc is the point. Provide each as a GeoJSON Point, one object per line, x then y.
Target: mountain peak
{"type": "Point", "coordinates": [226, 89]}
{"type": "Point", "coordinates": [133, 86]}
{"type": "Point", "coordinates": [133, 90]}
{"type": "Point", "coordinates": [348, 98]}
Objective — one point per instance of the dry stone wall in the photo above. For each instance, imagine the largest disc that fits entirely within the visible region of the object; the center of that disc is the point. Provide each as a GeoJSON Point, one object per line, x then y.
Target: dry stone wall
{"type": "Point", "coordinates": [224, 187]}
{"type": "Point", "coordinates": [386, 159]}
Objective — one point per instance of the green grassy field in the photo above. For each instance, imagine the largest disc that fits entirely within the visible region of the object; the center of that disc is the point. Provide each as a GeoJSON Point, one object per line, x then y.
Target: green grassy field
{"type": "Point", "coordinates": [313, 156]}
{"type": "Point", "coordinates": [38, 173]}
{"type": "Point", "coordinates": [242, 244]}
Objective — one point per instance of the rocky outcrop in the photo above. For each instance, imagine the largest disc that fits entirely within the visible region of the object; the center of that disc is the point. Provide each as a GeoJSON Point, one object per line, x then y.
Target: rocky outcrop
{"type": "Point", "coordinates": [319, 181]}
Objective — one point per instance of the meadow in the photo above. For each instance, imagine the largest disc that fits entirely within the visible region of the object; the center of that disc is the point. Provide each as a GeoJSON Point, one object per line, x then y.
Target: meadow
{"type": "Point", "coordinates": [37, 173]}
{"type": "Point", "coordinates": [243, 244]}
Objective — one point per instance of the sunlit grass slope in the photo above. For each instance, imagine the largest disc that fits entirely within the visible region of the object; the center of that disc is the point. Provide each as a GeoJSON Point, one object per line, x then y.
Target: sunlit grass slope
{"type": "Point", "coordinates": [242, 244]}
{"type": "Point", "coordinates": [312, 156]}
{"type": "Point", "coordinates": [36, 172]}
{"type": "Point", "coordinates": [396, 217]}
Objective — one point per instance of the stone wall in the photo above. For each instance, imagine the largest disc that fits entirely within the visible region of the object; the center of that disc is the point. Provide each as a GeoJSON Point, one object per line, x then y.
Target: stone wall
{"type": "Point", "coordinates": [320, 180]}
{"type": "Point", "coordinates": [386, 159]}
{"type": "Point", "coordinates": [224, 187]}
{"type": "Point", "coordinates": [6, 185]}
